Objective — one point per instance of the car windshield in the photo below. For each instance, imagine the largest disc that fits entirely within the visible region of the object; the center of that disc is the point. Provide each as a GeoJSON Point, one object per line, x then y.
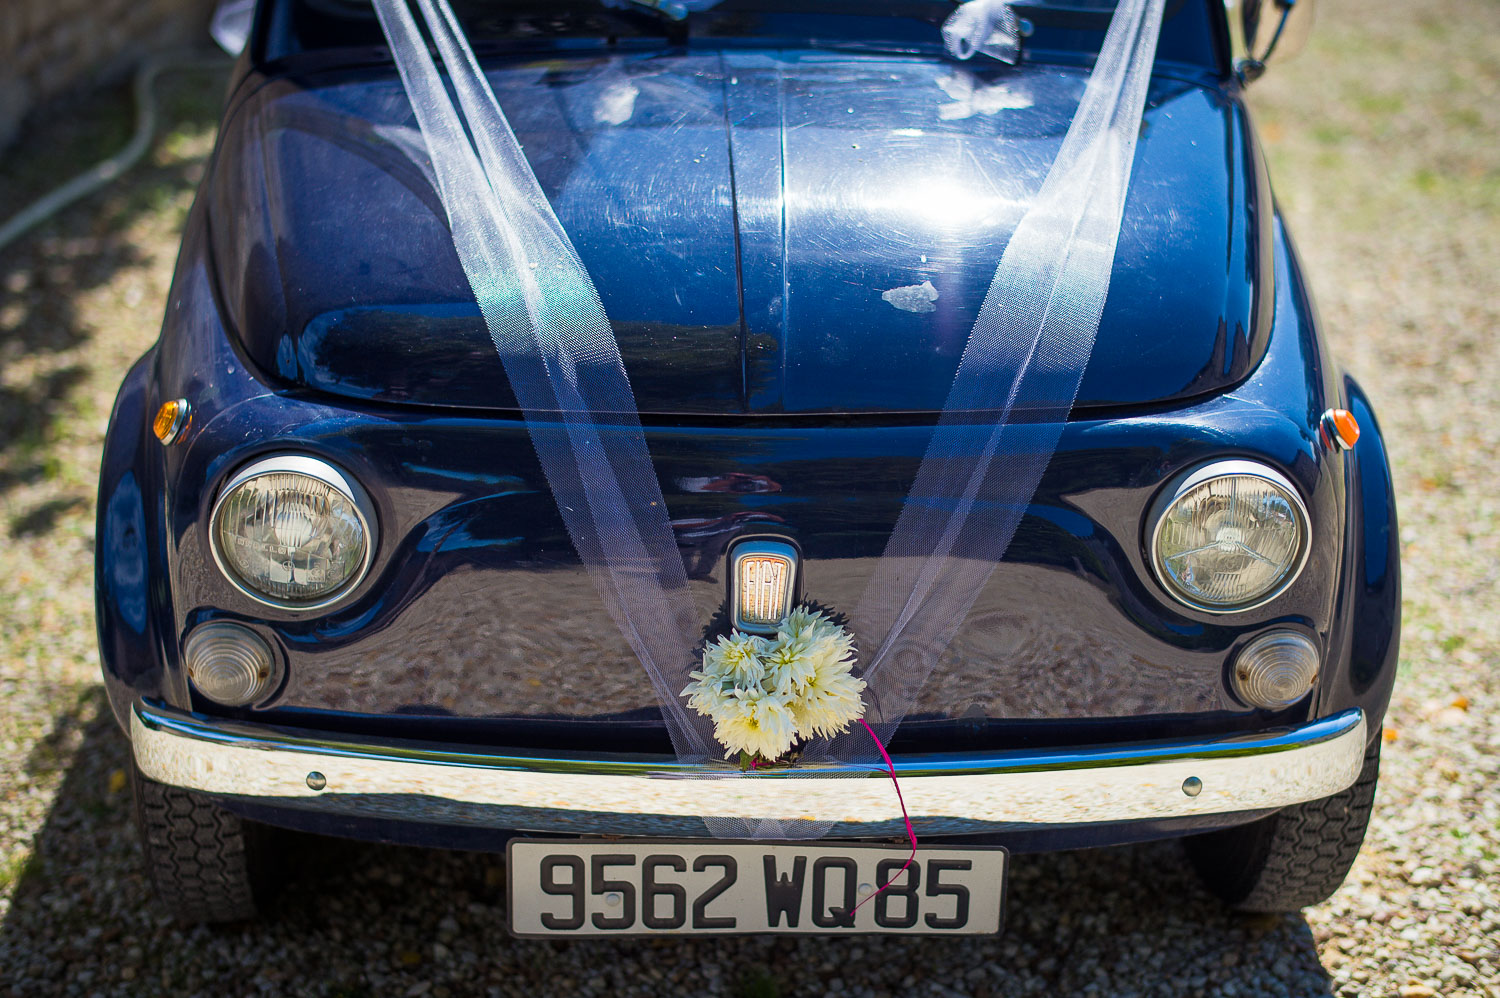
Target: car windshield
{"type": "Point", "coordinates": [1054, 26]}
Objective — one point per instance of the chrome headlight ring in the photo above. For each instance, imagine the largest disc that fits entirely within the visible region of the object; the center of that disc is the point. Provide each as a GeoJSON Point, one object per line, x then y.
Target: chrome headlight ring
{"type": "Point", "coordinates": [1202, 478]}
{"type": "Point", "coordinates": [338, 482]}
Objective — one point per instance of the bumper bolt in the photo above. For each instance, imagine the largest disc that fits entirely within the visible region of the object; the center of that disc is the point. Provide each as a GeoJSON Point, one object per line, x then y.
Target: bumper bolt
{"type": "Point", "coordinates": [1192, 786]}
{"type": "Point", "coordinates": [316, 781]}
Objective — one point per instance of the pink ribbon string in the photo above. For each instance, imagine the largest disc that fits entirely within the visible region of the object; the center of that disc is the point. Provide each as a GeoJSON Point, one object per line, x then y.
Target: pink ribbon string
{"type": "Point", "coordinates": [910, 832]}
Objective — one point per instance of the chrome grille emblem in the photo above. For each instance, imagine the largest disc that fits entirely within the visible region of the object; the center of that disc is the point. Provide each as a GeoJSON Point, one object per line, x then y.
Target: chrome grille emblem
{"type": "Point", "coordinates": [763, 578]}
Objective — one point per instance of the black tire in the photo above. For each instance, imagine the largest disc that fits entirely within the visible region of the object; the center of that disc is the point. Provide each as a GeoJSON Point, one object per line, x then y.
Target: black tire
{"type": "Point", "coordinates": [207, 864]}
{"type": "Point", "coordinates": [1296, 857]}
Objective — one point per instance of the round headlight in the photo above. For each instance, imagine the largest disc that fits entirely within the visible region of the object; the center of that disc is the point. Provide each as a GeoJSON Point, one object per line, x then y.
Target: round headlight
{"type": "Point", "coordinates": [293, 531]}
{"type": "Point", "coordinates": [1230, 536]}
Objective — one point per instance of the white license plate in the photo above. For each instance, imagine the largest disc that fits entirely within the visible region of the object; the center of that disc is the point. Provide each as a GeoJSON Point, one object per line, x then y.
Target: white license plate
{"type": "Point", "coordinates": [591, 887]}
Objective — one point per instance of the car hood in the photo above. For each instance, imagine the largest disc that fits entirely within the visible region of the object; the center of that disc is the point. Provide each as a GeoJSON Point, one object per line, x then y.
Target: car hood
{"type": "Point", "coordinates": [770, 232]}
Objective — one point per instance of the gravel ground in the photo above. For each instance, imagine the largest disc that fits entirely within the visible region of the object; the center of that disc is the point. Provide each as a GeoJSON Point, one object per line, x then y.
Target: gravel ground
{"type": "Point", "coordinates": [1382, 139]}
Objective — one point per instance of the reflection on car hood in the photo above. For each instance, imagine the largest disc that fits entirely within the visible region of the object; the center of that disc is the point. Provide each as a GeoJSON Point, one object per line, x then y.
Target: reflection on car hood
{"type": "Point", "coordinates": [769, 232]}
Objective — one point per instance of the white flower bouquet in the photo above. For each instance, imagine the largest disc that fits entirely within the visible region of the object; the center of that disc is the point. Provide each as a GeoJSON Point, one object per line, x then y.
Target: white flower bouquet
{"type": "Point", "coordinates": [767, 694]}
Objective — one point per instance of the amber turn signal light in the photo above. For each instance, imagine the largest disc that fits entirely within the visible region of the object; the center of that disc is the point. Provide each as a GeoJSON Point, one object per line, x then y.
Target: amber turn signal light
{"type": "Point", "coordinates": [171, 419]}
{"type": "Point", "coordinates": [1341, 427]}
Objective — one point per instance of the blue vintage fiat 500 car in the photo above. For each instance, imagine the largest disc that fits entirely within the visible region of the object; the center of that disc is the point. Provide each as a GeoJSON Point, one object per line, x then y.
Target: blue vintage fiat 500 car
{"type": "Point", "coordinates": [335, 594]}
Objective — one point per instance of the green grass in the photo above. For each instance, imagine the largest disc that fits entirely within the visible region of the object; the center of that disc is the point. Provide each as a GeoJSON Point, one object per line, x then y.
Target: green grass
{"type": "Point", "coordinates": [1379, 104]}
{"type": "Point", "coordinates": [13, 867]}
{"type": "Point", "coordinates": [75, 136]}
{"type": "Point", "coordinates": [67, 139]}
{"type": "Point", "coordinates": [80, 298]}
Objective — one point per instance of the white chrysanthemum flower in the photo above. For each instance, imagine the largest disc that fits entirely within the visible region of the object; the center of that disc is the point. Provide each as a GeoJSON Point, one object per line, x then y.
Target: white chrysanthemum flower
{"type": "Point", "coordinates": [737, 659]}
{"type": "Point", "coordinates": [708, 694]}
{"type": "Point", "coordinates": [831, 700]}
{"type": "Point", "coordinates": [765, 694]}
{"type": "Point", "coordinates": [818, 628]}
{"type": "Point", "coordinates": [801, 620]}
{"type": "Point", "coordinates": [789, 666]}
{"type": "Point", "coordinates": [756, 722]}
{"type": "Point", "coordinates": [815, 623]}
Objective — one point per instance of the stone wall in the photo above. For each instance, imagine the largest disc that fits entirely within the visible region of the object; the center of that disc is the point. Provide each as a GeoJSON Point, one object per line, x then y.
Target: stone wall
{"type": "Point", "coordinates": [50, 49]}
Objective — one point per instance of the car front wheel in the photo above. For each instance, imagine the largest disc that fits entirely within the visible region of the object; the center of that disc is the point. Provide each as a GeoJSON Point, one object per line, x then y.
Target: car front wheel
{"type": "Point", "coordinates": [207, 864]}
{"type": "Point", "coordinates": [1294, 858]}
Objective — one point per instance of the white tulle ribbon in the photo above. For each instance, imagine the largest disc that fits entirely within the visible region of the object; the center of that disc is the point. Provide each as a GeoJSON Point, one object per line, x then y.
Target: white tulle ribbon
{"type": "Point", "coordinates": [1026, 354]}
{"type": "Point", "coordinates": [1015, 386]}
{"type": "Point", "coordinates": [983, 27]}
{"type": "Point", "coordinates": [560, 357]}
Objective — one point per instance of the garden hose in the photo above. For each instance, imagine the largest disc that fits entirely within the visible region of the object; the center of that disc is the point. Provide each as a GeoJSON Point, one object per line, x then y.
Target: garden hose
{"type": "Point", "coordinates": [102, 174]}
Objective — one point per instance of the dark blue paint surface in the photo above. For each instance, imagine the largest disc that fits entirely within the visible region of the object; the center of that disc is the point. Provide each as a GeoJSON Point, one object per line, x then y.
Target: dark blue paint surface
{"type": "Point", "coordinates": [770, 232]}
{"type": "Point", "coordinates": [741, 243]}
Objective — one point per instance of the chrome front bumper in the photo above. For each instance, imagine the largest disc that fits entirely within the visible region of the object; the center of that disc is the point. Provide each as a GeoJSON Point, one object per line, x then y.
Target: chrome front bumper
{"type": "Point", "coordinates": [576, 794]}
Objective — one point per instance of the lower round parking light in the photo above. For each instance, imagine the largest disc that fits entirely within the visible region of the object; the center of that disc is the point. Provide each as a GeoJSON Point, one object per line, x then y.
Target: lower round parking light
{"type": "Point", "coordinates": [229, 663]}
{"type": "Point", "coordinates": [1276, 670]}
